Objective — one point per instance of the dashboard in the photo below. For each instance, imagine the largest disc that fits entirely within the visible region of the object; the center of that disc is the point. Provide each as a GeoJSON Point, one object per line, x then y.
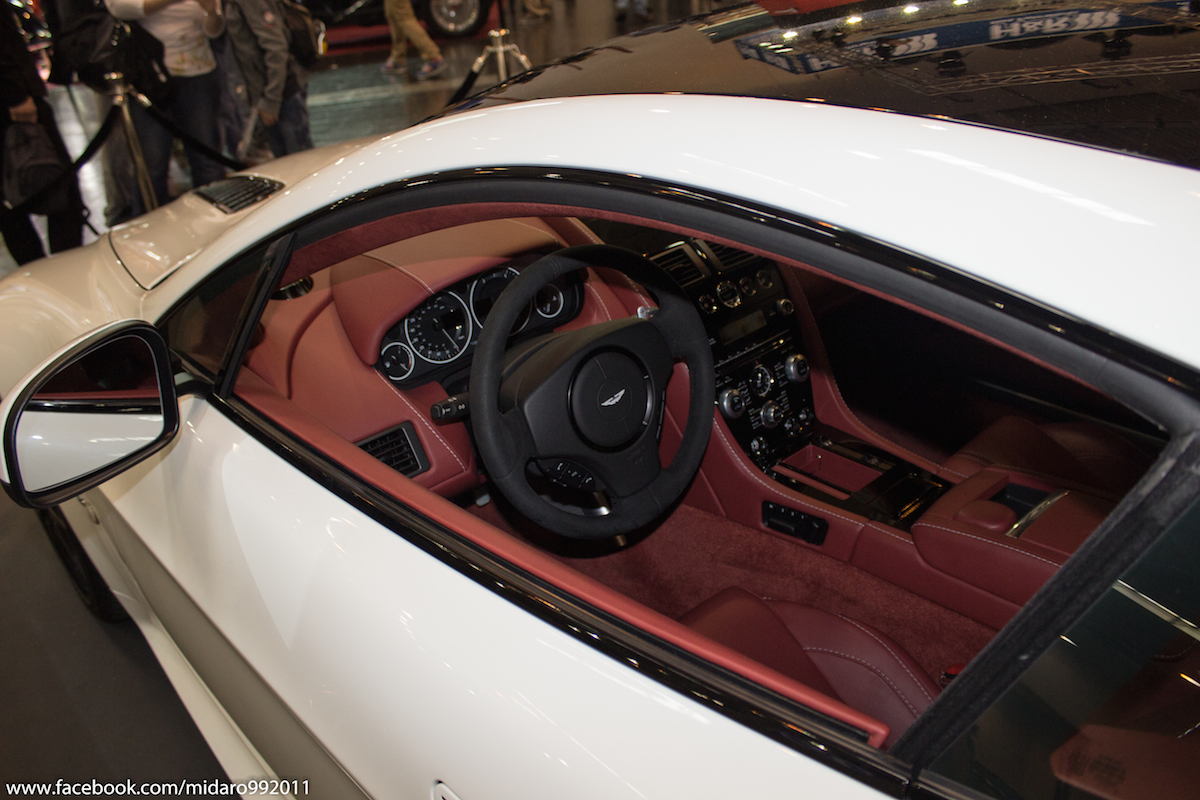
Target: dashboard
{"type": "Point", "coordinates": [435, 341]}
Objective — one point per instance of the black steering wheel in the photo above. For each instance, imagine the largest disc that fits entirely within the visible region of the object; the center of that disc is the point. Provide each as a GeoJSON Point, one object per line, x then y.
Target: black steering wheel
{"type": "Point", "coordinates": [584, 408]}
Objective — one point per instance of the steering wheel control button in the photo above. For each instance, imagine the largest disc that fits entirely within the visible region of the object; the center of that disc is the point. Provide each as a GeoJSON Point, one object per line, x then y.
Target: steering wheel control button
{"type": "Point", "coordinates": [732, 404]}
{"type": "Point", "coordinates": [568, 473]}
{"type": "Point", "coordinates": [610, 401]}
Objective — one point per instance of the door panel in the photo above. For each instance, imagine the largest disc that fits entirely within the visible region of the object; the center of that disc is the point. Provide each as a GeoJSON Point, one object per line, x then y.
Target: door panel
{"type": "Point", "coordinates": [404, 671]}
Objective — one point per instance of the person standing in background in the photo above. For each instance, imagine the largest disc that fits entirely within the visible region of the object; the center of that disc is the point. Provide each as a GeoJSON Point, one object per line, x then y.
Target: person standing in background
{"type": "Point", "coordinates": [402, 21]}
{"type": "Point", "coordinates": [184, 28]}
{"type": "Point", "coordinates": [276, 84]}
{"type": "Point", "coordinates": [23, 95]}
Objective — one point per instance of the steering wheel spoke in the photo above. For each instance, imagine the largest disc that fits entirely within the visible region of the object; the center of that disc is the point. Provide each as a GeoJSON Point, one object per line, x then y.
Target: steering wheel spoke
{"type": "Point", "coordinates": [518, 446]}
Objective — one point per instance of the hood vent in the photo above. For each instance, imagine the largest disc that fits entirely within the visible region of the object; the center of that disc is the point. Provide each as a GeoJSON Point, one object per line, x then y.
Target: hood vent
{"type": "Point", "coordinates": [239, 192]}
{"type": "Point", "coordinates": [399, 448]}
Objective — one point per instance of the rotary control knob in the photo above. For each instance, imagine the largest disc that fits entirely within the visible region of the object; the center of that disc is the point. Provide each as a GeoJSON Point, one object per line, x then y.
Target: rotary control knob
{"type": "Point", "coordinates": [762, 381]}
{"type": "Point", "coordinates": [796, 368]}
{"type": "Point", "coordinates": [732, 404]}
{"type": "Point", "coordinates": [771, 414]}
{"type": "Point", "coordinates": [728, 294]}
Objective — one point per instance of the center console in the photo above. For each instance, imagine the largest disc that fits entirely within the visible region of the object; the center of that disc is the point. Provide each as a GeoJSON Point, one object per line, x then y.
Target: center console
{"type": "Point", "coordinates": [765, 396]}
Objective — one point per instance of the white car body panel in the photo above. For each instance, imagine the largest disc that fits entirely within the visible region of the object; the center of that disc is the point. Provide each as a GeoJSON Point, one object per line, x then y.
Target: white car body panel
{"type": "Point", "coordinates": [57, 300]}
{"type": "Point", "coordinates": [407, 671]}
{"type": "Point", "coordinates": [866, 171]}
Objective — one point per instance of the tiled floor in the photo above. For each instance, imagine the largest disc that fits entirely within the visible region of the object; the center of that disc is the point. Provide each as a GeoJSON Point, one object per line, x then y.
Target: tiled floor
{"type": "Point", "coordinates": [82, 699]}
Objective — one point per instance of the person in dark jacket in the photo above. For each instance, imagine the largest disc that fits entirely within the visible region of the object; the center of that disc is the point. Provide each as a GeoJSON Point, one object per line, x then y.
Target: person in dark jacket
{"type": "Point", "coordinates": [24, 97]}
{"type": "Point", "coordinates": [275, 81]}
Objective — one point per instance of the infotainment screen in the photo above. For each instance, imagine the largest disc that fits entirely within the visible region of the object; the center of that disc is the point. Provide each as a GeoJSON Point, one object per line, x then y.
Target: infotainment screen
{"type": "Point", "coordinates": [741, 327]}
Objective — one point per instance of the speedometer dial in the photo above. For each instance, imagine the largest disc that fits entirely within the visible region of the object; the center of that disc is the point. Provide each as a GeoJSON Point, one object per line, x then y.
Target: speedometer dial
{"type": "Point", "coordinates": [440, 329]}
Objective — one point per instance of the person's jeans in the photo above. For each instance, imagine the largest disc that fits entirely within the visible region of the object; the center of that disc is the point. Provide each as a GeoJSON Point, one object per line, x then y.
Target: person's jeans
{"type": "Point", "coordinates": [194, 110]}
{"type": "Point", "coordinates": [290, 134]}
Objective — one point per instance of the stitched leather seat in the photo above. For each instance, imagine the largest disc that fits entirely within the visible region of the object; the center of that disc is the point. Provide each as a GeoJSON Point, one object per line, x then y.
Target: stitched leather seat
{"type": "Point", "coordinates": [1068, 454]}
{"type": "Point", "coordinates": [844, 659]}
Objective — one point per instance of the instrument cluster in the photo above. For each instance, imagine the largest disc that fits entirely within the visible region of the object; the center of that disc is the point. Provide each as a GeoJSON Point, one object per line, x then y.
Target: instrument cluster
{"type": "Point", "coordinates": [436, 339]}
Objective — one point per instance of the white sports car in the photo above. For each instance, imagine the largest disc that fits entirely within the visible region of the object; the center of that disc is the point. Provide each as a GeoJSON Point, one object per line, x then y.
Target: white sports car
{"type": "Point", "coordinates": [812, 420]}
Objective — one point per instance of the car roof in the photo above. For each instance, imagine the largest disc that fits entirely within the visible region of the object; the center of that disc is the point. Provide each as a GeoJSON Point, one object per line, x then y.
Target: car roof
{"type": "Point", "coordinates": [1123, 76]}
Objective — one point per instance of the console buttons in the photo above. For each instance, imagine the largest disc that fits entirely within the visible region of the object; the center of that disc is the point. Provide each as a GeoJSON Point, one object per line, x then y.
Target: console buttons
{"type": "Point", "coordinates": [796, 368]}
{"type": "Point", "coordinates": [793, 522]}
{"type": "Point", "coordinates": [764, 279]}
{"type": "Point", "coordinates": [762, 381]}
{"type": "Point", "coordinates": [771, 414]}
{"type": "Point", "coordinates": [708, 304]}
{"type": "Point", "coordinates": [732, 404]}
{"type": "Point", "coordinates": [785, 306]}
{"type": "Point", "coordinates": [759, 446]}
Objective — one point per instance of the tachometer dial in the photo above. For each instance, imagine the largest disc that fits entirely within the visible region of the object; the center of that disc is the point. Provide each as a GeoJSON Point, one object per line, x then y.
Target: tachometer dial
{"type": "Point", "coordinates": [440, 329]}
{"type": "Point", "coordinates": [486, 290]}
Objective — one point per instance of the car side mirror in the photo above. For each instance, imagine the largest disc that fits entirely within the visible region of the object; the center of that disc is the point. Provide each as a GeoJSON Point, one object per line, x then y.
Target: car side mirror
{"type": "Point", "coordinates": [95, 408]}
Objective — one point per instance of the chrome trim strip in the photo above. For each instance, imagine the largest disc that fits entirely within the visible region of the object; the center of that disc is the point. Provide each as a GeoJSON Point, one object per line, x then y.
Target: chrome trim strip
{"type": "Point", "coordinates": [1031, 516]}
{"type": "Point", "coordinates": [1158, 609]}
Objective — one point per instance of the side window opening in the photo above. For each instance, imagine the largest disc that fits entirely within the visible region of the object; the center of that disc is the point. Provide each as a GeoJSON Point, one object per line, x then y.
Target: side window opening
{"type": "Point", "coordinates": [1112, 709]}
{"type": "Point", "coordinates": [203, 327]}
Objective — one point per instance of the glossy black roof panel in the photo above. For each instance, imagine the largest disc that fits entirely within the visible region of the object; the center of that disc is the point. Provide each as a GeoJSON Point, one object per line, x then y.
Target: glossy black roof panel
{"type": "Point", "coordinates": [1124, 76]}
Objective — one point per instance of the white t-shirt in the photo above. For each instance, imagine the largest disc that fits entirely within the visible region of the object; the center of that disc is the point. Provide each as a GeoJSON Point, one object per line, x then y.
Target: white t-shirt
{"type": "Point", "coordinates": [180, 27]}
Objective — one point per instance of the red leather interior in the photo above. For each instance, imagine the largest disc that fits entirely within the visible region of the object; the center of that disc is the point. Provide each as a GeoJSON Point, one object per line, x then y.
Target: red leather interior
{"type": "Point", "coordinates": [1070, 455]}
{"type": "Point", "coordinates": [319, 349]}
{"type": "Point", "coordinates": [1011, 568]}
{"type": "Point", "coordinates": [834, 655]}
{"type": "Point", "coordinates": [282, 323]}
{"type": "Point", "coordinates": [831, 468]}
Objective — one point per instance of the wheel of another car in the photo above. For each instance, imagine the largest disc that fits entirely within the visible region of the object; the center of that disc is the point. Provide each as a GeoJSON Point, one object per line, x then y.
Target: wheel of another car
{"type": "Point", "coordinates": [88, 581]}
{"type": "Point", "coordinates": [452, 18]}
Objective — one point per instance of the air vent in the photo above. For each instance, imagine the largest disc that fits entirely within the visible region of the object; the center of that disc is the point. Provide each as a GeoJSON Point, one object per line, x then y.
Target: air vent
{"type": "Point", "coordinates": [680, 265]}
{"type": "Point", "coordinates": [730, 257]}
{"type": "Point", "coordinates": [239, 192]}
{"type": "Point", "coordinates": [399, 448]}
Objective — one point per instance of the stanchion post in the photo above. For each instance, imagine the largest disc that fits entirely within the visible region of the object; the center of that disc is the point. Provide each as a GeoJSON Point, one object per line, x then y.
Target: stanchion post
{"type": "Point", "coordinates": [499, 48]}
{"type": "Point", "coordinates": [121, 93]}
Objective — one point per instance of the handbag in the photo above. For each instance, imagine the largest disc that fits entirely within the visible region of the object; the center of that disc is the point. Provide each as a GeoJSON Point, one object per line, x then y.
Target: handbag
{"type": "Point", "coordinates": [97, 44]}
{"type": "Point", "coordinates": [34, 172]}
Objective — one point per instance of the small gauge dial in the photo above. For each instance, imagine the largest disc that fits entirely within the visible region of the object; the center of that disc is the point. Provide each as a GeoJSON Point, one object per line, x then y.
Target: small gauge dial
{"type": "Point", "coordinates": [397, 361]}
{"type": "Point", "coordinates": [440, 329]}
{"type": "Point", "coordinates": [549, 301]}
{"type": "Point", "coordinates": [486, 290]}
